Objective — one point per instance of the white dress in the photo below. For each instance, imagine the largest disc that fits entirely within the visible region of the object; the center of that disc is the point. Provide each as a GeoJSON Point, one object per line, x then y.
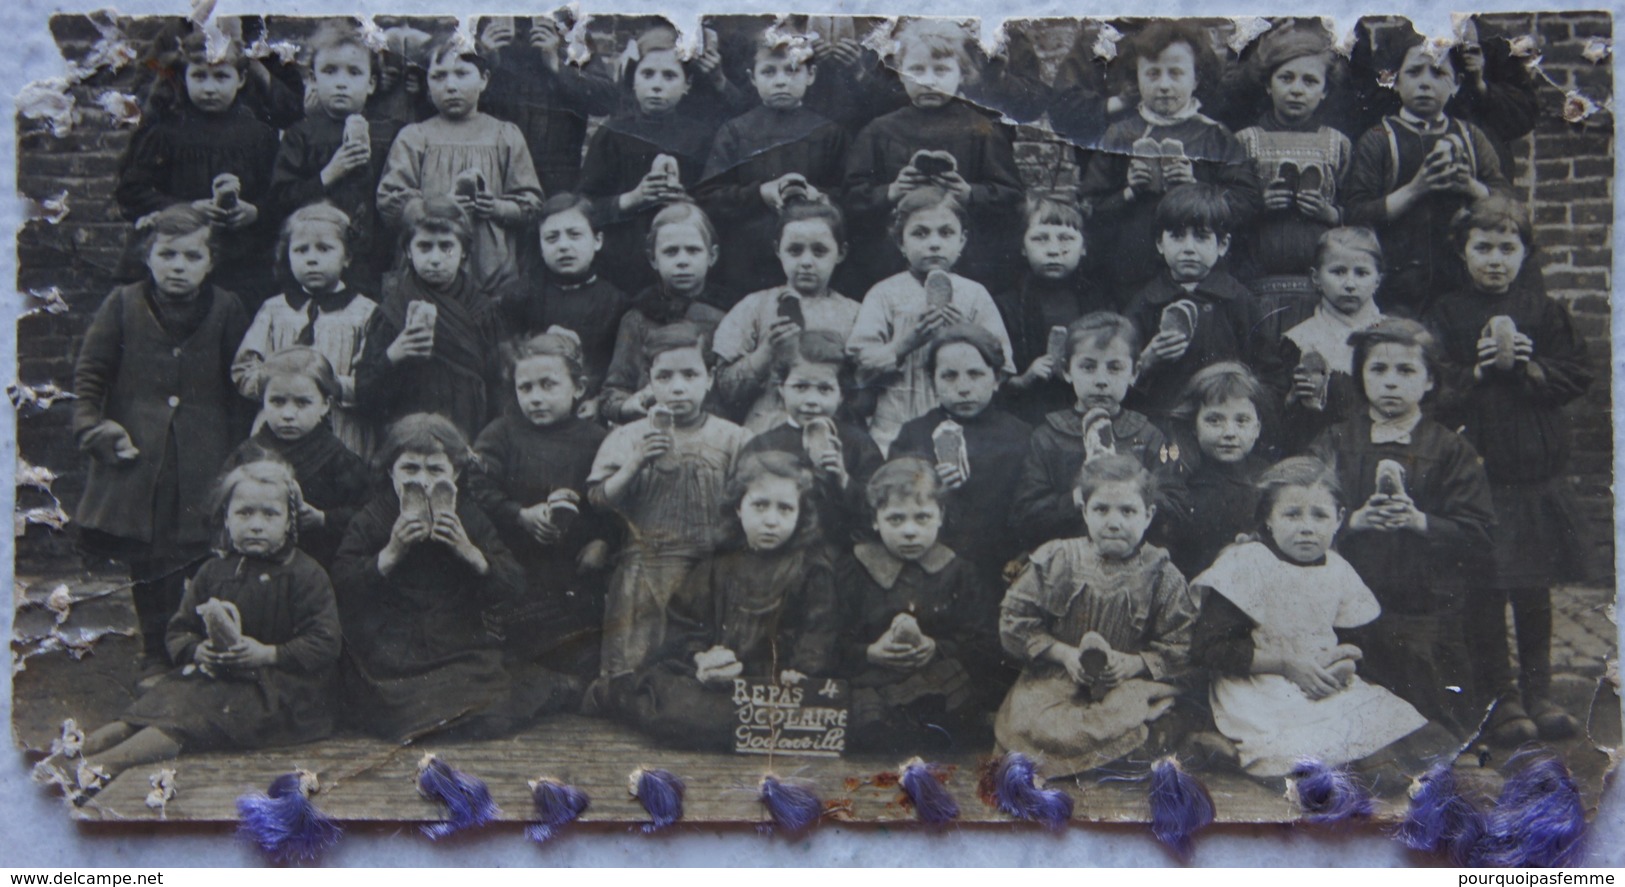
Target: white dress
{"type": "Point", "coordinates": [1296, 608]}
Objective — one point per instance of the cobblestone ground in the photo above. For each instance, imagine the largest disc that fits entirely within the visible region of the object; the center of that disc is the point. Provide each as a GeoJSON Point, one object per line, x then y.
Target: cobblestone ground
{"type": "Point", "coordinates": [1584, 634]}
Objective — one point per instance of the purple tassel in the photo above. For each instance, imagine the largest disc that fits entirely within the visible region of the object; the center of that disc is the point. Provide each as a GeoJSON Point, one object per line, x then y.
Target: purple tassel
{"type": "Point", "coordinates": [793, 807]}
{"type": "Point", "coordinates": [1539, 820]}
{"type": "Point", "coordinates": [1015, 788]}
{"type": "Point", "coordinates": [1180, 806]}
{"type": "Point", "coordinates": [661, 793]}
{"type": "Point", "coordinates": [931, 800]}
{"type": "Point", "coordinates": [1328, 794]}
{"type": "Point", "coordinates": [468, 801]}
{"type": "Point", "coordinates": [1439, 819]}
{"type": "Point", "coordinates": [559, 805]}
{"type": "Point", "coordinates": [283, 821]}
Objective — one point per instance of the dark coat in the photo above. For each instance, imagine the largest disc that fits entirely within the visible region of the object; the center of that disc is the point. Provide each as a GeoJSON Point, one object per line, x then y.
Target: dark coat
{"type": "Point", "coordinates": [977, 519]}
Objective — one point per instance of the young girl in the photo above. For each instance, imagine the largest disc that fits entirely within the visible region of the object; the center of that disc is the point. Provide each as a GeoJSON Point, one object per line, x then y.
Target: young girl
{"type": "Point", "coordinates": [664, 475]}
{"type": "Point", "coordinates": [811, 242]}
{"type": "Point", "coordinates": [209, 148]}
{"type": "Point", "coordinates": [461, 152]}
{"type": "Point", "coordinates": [315, 309]}
{"type": "Point", "coordinates": [620, 173]}
{"type": "Point", "coordinates": [417, 568]}
{"type": "Point", "coordinates": [1123, 185]}
{"type": "Point", "coordinates": [538, 454]}
{"type": "Point", "coordinates": [811, 379]}
{"type": "Point", "coordinates": [964, 361]}
{"type": "Point", "coordinates": [1284, 686]}
{"type": "Point", "coordinates": [933, 62]}
{"type": "Point", "coordinates": [1219, 422]}
{"type": "Point", "coordinates": [1300, 161]}
{"type": "Point", "coordinates": [155, 410]}
{"type": "Point", "coordinates": [916, 636]}
{"type": "Point", "coordinates": [682, 249]}
{"type": "Point", "coordinates": [1346, 276]}
{"type": "Point", "coordinates": [270, 687]}
{"type": "Point", "coordinates": [571, 294]}
{"type": "Point", "coordinates": [1420, 536]}
{"type": "Point", "coordinates": [297, 389]}
{"type": "Point", "coordinates": [1511, 411]}
{"type": "Point", "coordinates": [763, 607]}
{"type": "Point", "coordinates": [432, 344]}
{"type": "Point", "coordinates": [900, 314]}
{"type": "Point", "coordinates": [1101, 625]}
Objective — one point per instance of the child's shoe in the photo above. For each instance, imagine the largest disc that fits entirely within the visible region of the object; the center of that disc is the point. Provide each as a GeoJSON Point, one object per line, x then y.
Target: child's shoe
{"type": "Point", "coordinates": [1510, 725]}
{"type": "Point", "coordinates": [1552, 721]}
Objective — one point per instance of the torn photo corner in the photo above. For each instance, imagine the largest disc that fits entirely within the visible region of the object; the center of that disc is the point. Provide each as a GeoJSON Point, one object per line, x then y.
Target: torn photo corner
{"type": "Point", "coordinates": [574, 393]}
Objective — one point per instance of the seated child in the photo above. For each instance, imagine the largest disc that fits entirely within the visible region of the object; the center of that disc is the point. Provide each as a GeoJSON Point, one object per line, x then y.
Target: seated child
{"type": "Point", "coordinates": [1051, 294]}
{"type": "Point", "coordinates": [532, 461]}
{"type": "Point", "coordinates": [1194, 224]}
{"type": "Point", "coordinates": [916, 636]}
{"type": "Point", "coordinates": [811, 373]}
{"type": "Point", "coordinates": [1218, 426]}
{"type": "Point", "coordinates": [1421, 536]}
{"type": "Point", "coordinates": [315, 309]}
{"type": "Point", "coordinates": [901, 313]}
{"type": "Point", "coordinates": [1285, 687]}
{"type": "Point", "coordinates": [297, 389]}
{"type": "Point", "coordinates": [811, 243]}
{"type": "Point", "coordinates": [664, 474]}
{"type": "Point", "coordinates": [1346, 276]}
{"type": "Point", "coordinates": [762, 607]}
{"type": "Point", "coordinates": [417, 568]}
{"type": "Point", "coordinates": [1101, 363]}
{"type": "Point", "coordinates": [1101, 626]}
{"type": "Point", "coordinates": [264, 684]}
{"type": "Point", "coordinates": [964, 361]}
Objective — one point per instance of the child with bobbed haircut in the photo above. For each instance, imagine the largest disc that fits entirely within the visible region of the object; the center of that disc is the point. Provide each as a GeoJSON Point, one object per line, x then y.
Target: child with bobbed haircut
{"type": "Point", "coordinates": [1220, 428]}
{"type": "Point", "coordinates": [916, 637]}
{"type": "Point", "coordinates": [1101, 625]}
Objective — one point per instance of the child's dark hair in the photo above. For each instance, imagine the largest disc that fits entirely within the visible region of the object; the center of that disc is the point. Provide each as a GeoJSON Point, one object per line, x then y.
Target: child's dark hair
{"type": "Point", "coordinates": [1393, 44]}
{"type": "Point", "coordinates": [303, 361]}
{"type": "Point", "coordinates": [754, 466]}
{"type": "Point", "coordinates": [1099, 328]}
{"type": "Point", "coordinates": [194, 50]}
{"type": "Point", "coordinates": [264, 470]}
{"type": "Point", "coordinates": [426, 433]}
{"type": "Point", "coordinates": [1356, 239]}
{"type": "Point", "coordinates": [1496, 212]}
{"type": "Point", "coordinates": [322, 213]}
{"type": "Point", "coordinates": [812, 211]}
{"type": "Point", "coordinates": [177, 220]}
{"type": "Point", "coordinates": [1198, 207]}
{"type": "Point", "coordinates": [656, 39]}
{"type": "Point", "coordinates": [453, 44]}
{"type": "Point", "coordinates": [977, 337]}
{"type": "Point", "coordinates": [546, 345]}
{"type": "Point", "coordinates": [1217, 383]}
{"type": "Point", "coordinates": [921, 199]}
{"type": "Point", "coordinates": [808, 346]}
{"type": "Point", "coordinates": [943, 39]}
{"type": "Point", "coordinates": [1395, 331]}
{"type": "Point", "coordinates": [564, 202]}
{"type": "Point", "coordinates": [435, 214]}
{"type": "Point", "coordinates": [1104, 470]}
{"type": "Point", "coordinates": [336, 33]}
{"type": "Point", "coordinates": [1042, 209]}
{"type": "Point", "coordinates": [677, 337]}
{"type": "Point", "coordinates": [1295, 471]}
{"type": "Point", "coordinates": [1159, 36]}
{"type": "Point", "coordinates": [1291, 41]}
{"type": "Point", "coordinates": [682, 212]}
{"type": "Point", "coordinates": [906, 476]}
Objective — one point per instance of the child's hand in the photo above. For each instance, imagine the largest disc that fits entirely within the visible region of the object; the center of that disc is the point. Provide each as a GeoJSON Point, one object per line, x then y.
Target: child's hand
{"type": "Point", "coordinates": [249, 653]}
{"type": "Point", "coordinates": [1165, 347]}
{"type": "Point", "coordinates": [709, 64]}
{"type": "Point", "coordinates": [108, 443]}
{"type": "Point", "coordinates": [1315, 682]}
{"type": "Point", "coordinates": [844, 52]}
{"type": "Point", "coordinates": [498, 34]}
{"type": "Point", "coordinates": [1523, 348]}
{"type": "Point", "coordinates": [536, 520]}
{"type": "Point", "coordinates": [214, 214]}
{"type": "Point", "coordinates": [900, 657]}
{"type": "Point", "coordinates": [653, 445]}
{"type": "Point", "coordinates": [1121, 667]}
{"type": "Point", "coordinates": [908, 178]}
{"type": "Point", "coordinates": [1140, 177]}
{"type": "Point", "coordinates": [448, 530]}
{"type": "Point", "coordinates": [483, 206]}
{"type": "Point", "coordinates": [1372, 516]}
{"type": "Point", "coordinates": [1279, 198]}
{"type": "Point", "coordinates": [782, 330]}
{"type": "Point", "coordinates": [1400, 513]}
{"type": "Point", "coordinates": [414, 343]}
{"type": "Point", "coordinates": [790, 677]}
{"type": "Point", "coordinates": [717, 665]}
{"type": "Point", "coordinates": [637, 406]}
{"type": "Point", "coordinates": [833, 462]}
{"type": "Point", "coordinates": [1042, 367]}
{"type": "Point", "coordinates": [587, 410]}
{"type": "Point", "coordinates": [1178, 172]}
{"type": "Point", "coordinates": [406, 532]}
{"type": "Point", "coordinates": [955, 184]}
{"type": "Point", "coordinates": [950, 475]}
{"type": "Point", "coordinates": [240, 216]}
{"type": "Point", "coordinates": [350, 156]}
{"type": "Point", "coordinates": [1342, 653]}
{"type": "Point", "coordinates": [545, 38]}
{"type": "Point", "coordinates": [311, 517]}
{"type": "Point", "coordinates": [1314, 205]}
{"type": "Point", "coordinates": [652, 190]}
{"type": "Point", "coordinates": [1305, 391]}
{"type": "Point", "coordinates": [1066, 656]}
{"type": "Point", "coordinates": [594, 556]}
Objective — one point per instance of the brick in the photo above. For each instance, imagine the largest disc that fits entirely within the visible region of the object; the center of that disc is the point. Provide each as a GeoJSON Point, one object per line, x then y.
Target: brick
{"type": "Point", "coordinates": [1588, 258]}
{"type": "Point", "coordinates": [1552, 169]}
{"type": "Point", "coordinates": [1590, 305]}
{"type": "Point", "coordinates": [1601, 26]}
{"type": "Point", "coordinates": [1553, 214]}
{"type": "Point", "coordinates": [1576, 280]}
{"type": "Point", "coordinates": [1592, 213]}
{"type": "Point", "coordinates": [1565, 190]}
{"type": "Point", "coordinates": [1592, 167]}
{"type": "Point", "coordinates": [1553, 30]}
{"type": "Point", "coordinates": [1574, 143]}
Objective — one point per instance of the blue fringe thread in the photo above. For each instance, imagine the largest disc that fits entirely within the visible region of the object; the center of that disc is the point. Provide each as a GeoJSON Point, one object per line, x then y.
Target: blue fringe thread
{"type": "Point", "coordinates": [793, 807]}
{"type": "Point", "coordinates": [1329, 795]}
{"type": "Point", "coordinates": [467, 799]}
{"type": "Point", "coordinates": [1539, 820]}
{"type": "Point", "coordinates": [1180, 806]}
{"type": "Point", "coordinates": [284, 823]}
{"type": "Point", "coordinates": [1440, 819]}
{"type": "Point", "coordinates": [661, 793]}
{"type": "Point", "coordinates": [931, 800]}
{"type": "Point", "coordinates": [558, 803]}
{"type": "Point", "coordinates": [1015, 788]}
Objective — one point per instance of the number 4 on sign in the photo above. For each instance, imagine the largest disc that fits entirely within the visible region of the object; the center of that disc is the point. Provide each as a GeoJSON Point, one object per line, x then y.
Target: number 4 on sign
{"type": "Point", "coordinates": [830, 689]}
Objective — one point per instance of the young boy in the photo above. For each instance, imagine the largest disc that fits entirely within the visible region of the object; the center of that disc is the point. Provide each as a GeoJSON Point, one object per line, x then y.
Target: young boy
{"type": "Point", "coordinates": [1412, 172]}
{"type": "Point", "coordinates": [1102, 363]}
{"type": "Point", "coordinates": [326, 157]}
{"type": "Point", "coordinates": [773, 153]}
{"type": "Point", "coordinates": [1052, 294]}
{"type": "Point", "coordinates": [1192, 315]}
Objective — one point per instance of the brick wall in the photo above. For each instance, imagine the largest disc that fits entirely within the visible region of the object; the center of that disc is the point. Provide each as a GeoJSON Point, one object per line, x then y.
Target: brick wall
{"type": "Point", "coordinates": [1564, 170]}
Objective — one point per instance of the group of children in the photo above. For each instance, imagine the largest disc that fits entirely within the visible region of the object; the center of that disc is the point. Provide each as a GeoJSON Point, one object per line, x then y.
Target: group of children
{"type": "Point", "coordinates": [1164, 464]}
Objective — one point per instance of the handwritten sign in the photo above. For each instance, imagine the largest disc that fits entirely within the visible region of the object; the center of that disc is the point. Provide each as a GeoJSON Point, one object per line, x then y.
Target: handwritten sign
{"type": "Point", "coordinates": [808, 718]}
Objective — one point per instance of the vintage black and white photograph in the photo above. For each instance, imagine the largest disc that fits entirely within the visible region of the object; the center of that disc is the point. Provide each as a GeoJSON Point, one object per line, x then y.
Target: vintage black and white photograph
{"type": "Point", "coordinates": [819, 399]}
